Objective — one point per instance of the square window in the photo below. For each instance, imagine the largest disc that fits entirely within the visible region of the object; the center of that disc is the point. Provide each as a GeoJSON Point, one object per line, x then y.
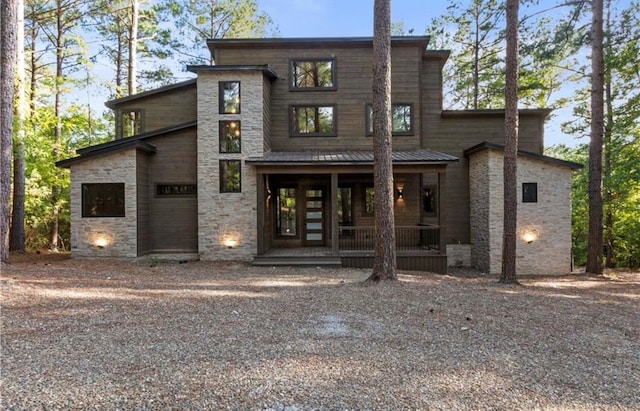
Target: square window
{"type": "Point", "coordinates": [313, 74]}
{"type": "Point", "coordinates": [103, 200]}
{"type": "Point", "coordinates": [230, 176]}
{"type": "Point", "coordinates": [229, 136]}
{"type": "Point", "coordinates": [229, 92]}
{"type": "Point", "coordinates": [529, 192]}
{"type": "Point", "coordinates": [401, 119]}
{"type": "Point", "coordinates": [313, 120]}
{"type": "Point", "coordinates": [130, 123]}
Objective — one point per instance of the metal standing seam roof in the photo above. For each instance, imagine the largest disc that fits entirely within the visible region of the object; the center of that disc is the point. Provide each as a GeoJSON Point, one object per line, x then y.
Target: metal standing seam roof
{"type": "Point", "coordinates": [349, 157]}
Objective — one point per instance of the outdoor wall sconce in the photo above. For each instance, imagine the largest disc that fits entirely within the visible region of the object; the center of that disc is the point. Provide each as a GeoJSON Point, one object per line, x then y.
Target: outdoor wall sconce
{"type": "Point", "coordinates": [101, 240]}
{"type": "Point", "coordinates": [230, 242]}
{"type": "Point", "coordinates": [400, 191]}
{"type": "Point", "coordinates": [529, 234]}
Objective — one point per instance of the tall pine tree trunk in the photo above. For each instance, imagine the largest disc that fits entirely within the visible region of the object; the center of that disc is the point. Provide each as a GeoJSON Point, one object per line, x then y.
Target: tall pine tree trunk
{"type": "Point", "coordinates": [8, 19]}
{"type": "Point", "coordinates": [595, 243]}
{"type": "Point", "coordinates": [509, 237]}
{"type": "Point", "coordinates": [384, 260]}
{"type": "Point", "coordinates": [16, 241]}
{"type": "Point", "coordinates": [133, 49]}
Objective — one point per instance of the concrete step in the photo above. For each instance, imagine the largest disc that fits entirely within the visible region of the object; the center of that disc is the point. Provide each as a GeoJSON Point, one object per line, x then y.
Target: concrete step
{"type": "Point", "coordinates": [297, 261]}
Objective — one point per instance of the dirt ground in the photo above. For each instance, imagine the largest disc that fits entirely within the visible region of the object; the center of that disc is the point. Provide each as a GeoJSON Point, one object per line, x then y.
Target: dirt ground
{"type": "Point", "coordinates": [87, 334]}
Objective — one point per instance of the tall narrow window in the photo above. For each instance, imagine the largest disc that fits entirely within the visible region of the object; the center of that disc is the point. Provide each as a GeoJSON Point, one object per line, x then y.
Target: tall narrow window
{"type": "Point", "coordinates": [529, 192]}
{"type": "Point", "coordinates": [313, 121]}
{"type": "Point", "coordinates": [369, 201]}
{"type": "Point", "coordinates": [230, 176]}
{"type": "Point", "coordinates": [229, 92]}
{"type": "Point", "coordinates": [313, 74]}
{"type": "Point", "coordinates": [131, 123]}
{"type": "Point", "coordinates": [230, 136]}
{"type": "Point", "coordinates": [103, 200]}
{"type": "Point", "coordinates": [286, 212]}
{"type": "Point", "coordinates": [401, 119]}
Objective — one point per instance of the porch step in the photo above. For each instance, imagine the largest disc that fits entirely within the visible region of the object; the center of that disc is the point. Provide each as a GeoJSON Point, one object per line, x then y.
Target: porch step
{"type": "Point", "coordinates": [323, 261]}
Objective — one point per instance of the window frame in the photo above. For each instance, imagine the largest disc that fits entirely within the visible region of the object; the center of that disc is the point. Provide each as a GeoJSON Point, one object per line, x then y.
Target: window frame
{"type": "Point", "coordinates": [221, 97]}
{"type": "Point", "coordinates": [293, 121]}
{"type": "Point", "coordinates": [84, 205]}
{"type": "Point", "coordinates": [365, 211]}
{"type": "Point", "coordinates": [139, 119]}
{"type": "Point", "coordinates": [221, 128]}
{"type": "Point", "coordinates": [222, 187]}
{"type": "Point", "coordinates": [292, 77]}
{"type": "Point", "coordinates": [278, 214]}
{"type": "Point", "coordinates": [369, 119]}
{"type": "Point", "coordinates": [530, 196]}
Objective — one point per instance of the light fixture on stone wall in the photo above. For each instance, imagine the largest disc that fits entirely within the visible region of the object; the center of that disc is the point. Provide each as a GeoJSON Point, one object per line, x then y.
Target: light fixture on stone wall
{"type": "Point", "coordinates": [529, 234]}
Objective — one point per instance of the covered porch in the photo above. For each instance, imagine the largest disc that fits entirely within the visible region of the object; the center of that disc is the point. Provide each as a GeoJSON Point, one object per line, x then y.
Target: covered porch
{"type": "Point", "coordinates": [318, 206]}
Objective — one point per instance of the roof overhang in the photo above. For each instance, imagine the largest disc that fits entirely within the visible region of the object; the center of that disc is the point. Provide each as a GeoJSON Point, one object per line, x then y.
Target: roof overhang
{"type": "Point", "coordinates": [347, 161]}
{"type": "Point", "coordinates": [539, 112]}
{"type": "Point", "coordinates": [136, 142]}
{"type": "Point", "coordinates": [266, 69]}
{"type": "Point", "coordinates": [540, 157]}
{"type": "Point", "coordinates": [171, 87]}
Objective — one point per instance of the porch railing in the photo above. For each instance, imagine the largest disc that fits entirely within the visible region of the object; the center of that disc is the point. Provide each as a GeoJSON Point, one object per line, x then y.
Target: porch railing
{"type": "Point", "coordinates": [408, 238]}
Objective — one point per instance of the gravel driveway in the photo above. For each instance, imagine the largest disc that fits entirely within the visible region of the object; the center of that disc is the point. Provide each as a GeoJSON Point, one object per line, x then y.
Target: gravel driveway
{"type": "Point", "coordinates": [81, 334]}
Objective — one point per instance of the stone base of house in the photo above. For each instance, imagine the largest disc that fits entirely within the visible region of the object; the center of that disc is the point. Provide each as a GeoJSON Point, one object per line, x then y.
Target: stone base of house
{"type": "Point", "coordinates": [459, 255]}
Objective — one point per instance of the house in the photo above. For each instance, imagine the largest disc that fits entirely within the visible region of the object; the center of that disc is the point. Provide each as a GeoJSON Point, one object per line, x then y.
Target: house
{"type": "Point", "coordinates": [268, 154]}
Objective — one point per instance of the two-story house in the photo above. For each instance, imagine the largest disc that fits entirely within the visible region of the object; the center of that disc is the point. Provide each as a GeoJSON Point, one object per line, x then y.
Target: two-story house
{"type": "Point", "coordinates": [267, 156]}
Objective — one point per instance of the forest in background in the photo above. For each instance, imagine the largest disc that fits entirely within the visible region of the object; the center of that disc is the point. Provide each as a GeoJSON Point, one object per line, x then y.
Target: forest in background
{"type": "Point", "coordinates": [71, 46]}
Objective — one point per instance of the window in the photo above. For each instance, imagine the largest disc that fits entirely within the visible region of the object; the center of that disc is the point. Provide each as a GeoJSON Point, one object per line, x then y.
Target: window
{"type": "Point", "coordinates": [173, 190]}
{"type": "Point", "coordinates": [369, 201]}
{"type": "Point", "coordinates": [529, 192]}
{"type": "Point", "coordinates": [229, 176]}
{"type": "Point", "coordinates": [229, 92]}
{"type": "Point", "coordinates": [131, 123]}
{"type": "Point", "coordinates": [313, 121]}
{"type": "Point", "coordinates": [103, 200]}
{"type": "Point", "coordinates": [344, 206]}
{"type": "Point", "coordinates": [286, 221]}
{"type": "Point", "coordinates": [229, 136]}
{"type": "Point", "coordinates": [313, 74]}
{"type": "Point", "coordinates": [401, 119]}
{"type": "Point", "coordinates": [429, 201]}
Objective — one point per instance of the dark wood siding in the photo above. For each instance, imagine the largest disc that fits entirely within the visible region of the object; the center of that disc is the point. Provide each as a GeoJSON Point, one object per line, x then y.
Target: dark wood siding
{"type": "Point", "coordinates": [142, 183]}
{"type": "Point", "coordinates": [173, 219]}
{"type": "Point", "coordinates": [163, 109]}
{"type": "Point", "coordinates": [354, 83]}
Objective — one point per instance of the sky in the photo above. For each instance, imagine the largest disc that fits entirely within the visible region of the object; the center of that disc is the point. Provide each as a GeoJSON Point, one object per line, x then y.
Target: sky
{"type": "Point", "coordinates": [353, 18]}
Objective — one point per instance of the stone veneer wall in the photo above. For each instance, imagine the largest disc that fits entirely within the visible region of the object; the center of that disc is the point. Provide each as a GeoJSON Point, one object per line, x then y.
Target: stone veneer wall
{"type": "Point", "coordinates": [119, 167]}
{"type": "Point", "coordinates": [228, 215]}
{"type": "Point", "coordinates": [550, 217]}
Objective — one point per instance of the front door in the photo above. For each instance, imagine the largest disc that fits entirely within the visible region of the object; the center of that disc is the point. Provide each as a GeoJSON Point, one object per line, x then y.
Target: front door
{"type": "Point", "coordinates": [313, 227]}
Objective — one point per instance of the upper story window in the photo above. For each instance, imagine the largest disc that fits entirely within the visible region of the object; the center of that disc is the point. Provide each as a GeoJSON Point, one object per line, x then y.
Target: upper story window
{"type": "Point", "coordinates": [130, 123]}
{"type": "Point", "coordinates": [229, 92]}
{"type": "Point", "coordinates": [229, 136]}
{"type": "Point", "coordinates": [529, 192]}
{"type": "Point", "coordinates": [230, 176]}
{"type": "Point", "coordinates": [317, 74]}
{"type": "Point", "coordinates": [313, 120]}
{"type": "Point", "coordinates": [103, 200]}
{"type": "Point", "coordinates": [401, 119]}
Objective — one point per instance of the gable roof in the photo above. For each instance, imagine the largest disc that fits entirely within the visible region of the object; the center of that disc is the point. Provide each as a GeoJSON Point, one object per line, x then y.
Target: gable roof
{"type": "Point", "coordinates": [414, 157]}
{"type": "Point", "coordinates": [113, 103]}
{"type": "Point", "coordinates": [541, 157]}
{"type": "Point", "coordinates": [136, 141]}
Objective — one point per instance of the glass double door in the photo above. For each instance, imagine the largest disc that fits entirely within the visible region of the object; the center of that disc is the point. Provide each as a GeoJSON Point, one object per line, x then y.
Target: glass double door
{"type": "Point", "coordinates": [313, 223]}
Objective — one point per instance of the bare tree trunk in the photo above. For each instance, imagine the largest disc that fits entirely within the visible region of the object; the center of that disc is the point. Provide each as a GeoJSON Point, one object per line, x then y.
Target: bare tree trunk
{"type": "Point", "coordinates": [133, 48]}
{"type": "Point", "coordinates": [508, 273]}
{"type": "Point", "coordinates": [595, 243]}
{"type": "Point", "coordinates": [16, 241]}
{"type": "Point", "coordinates": [610, 256]}
{"type": "Point", "coordinates": [384, 260]}
{"type": "Point", "coordinates": [8, 18]}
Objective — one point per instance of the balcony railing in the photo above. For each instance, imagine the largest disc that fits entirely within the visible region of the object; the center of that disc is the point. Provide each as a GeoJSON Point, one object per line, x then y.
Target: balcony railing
{"type": "Point", "coordinates": [408, 238]}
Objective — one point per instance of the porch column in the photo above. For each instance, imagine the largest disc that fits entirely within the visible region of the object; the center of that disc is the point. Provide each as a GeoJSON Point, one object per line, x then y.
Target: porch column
{"type": "Point", "coordinates": [260, 211]}
{"type": "Point", "coordinates": [334, 213]}
{"type": "Point", "coordinates": [442, 209]}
